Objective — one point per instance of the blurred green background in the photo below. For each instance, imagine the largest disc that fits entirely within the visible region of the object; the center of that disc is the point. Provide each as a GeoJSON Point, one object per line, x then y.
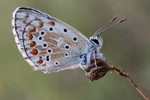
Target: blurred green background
{"type": "Point", "coordinates": [126, 45]}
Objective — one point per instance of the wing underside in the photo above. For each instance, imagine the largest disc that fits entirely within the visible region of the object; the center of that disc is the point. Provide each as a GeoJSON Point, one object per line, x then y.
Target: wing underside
{"type": "Point", "coordinates": [46, 43]}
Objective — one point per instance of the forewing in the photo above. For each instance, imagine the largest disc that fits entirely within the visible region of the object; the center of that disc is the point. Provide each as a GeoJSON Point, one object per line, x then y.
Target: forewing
{"type": "Point", "coordinates": [46, 43]}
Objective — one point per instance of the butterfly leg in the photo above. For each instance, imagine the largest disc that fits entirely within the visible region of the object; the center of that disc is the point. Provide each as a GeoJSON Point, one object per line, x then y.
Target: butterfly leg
{"type": "Point", "coordinates": [94, 55]}
{"type": "Point", "coordinates": [95, 62]}
{"type": "Point", "coordinates": [100, 55]}
{"type": "Point", "coordinates": [83, 67]}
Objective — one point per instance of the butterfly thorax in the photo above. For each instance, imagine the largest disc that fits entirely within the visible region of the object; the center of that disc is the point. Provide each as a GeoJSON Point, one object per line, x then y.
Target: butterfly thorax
{"type": "Point", "coordinates": [91, 53]}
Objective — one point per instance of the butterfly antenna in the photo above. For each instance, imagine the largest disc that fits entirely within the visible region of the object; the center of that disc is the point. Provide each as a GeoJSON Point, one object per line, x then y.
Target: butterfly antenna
{"type": "Point", "coordinates": [103, 28]}
{"type": "Point", "coordinates": [105, 25]}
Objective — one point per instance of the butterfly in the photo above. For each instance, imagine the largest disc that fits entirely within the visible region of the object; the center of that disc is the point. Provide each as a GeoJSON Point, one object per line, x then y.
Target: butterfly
{"type": "Point", "coordinates": [51, 45]}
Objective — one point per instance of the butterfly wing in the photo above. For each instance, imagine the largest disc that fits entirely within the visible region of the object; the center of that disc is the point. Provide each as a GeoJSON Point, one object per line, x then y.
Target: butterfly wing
{"type": "Point", "coordinates": [46, 43]}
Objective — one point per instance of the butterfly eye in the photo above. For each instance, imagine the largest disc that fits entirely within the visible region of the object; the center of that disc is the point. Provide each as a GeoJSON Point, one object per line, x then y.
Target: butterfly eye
{"type": "Point", "coordinates": [95, 41]}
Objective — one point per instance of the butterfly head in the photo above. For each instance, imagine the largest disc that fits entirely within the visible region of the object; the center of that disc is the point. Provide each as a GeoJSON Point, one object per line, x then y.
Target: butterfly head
{"type": "Point", "coordinates": [97, 41]}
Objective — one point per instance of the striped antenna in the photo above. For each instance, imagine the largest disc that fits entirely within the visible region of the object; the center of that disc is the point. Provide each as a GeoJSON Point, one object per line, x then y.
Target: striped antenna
{"type": "Point", "coordinates": [105, 28]}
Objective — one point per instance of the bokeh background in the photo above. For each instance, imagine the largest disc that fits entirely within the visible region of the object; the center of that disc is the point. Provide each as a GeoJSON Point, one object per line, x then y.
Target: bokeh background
{"type": "Point", "coordinates": [126, 45]}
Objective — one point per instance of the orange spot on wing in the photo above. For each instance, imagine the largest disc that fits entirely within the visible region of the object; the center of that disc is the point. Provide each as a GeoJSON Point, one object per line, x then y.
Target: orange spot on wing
{"type": "Point", "coordinates": [34, 52]}
{"type": "Point", "coordinates": [32, 44]}
{"type": "Point", "coordinates": [40, 62]}
{"type": "Point", "coordinates": [32, 30]}
{"type": "Point", "coordinates": [44, 65]}
{"type": "Point", "coordinates": [40, 57]}
{"type": "Point", "coordinates": [51, 22]}
{"type": "Point", "coordinates": [40, 24]}
{"type": "Point", "coordinates": [30, 36]}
